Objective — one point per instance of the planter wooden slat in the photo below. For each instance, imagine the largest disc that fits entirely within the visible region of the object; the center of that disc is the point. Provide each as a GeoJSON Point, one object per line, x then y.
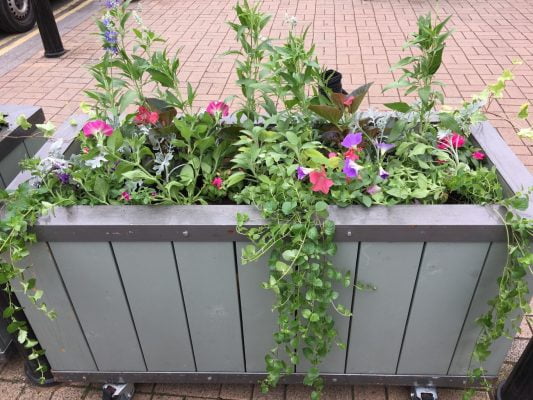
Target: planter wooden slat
{"type": "Point", "coordinates": [152, 288]}
{"type": "Point", "coordinates": [379, 317]}
{"type": "Point", "coordinates": [62, 338]}
{"type": "Point", "coordinates": [259, 321]}
{"type": "Point", "coordinates": [446, 282]}
{"type": "Point", "coordinates": [209, 282]}
{"type": "Point", "coordinates": [95, 288]}
{"type": "Point", "coordinates": [486, 289]}
{"type": "Point", "coordinates": [346, 261]}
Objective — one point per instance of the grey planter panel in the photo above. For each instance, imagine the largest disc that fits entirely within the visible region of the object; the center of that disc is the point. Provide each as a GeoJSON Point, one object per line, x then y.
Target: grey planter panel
{"type": "Point", "coordinates": [379, 317]}
{"type": "Point", "coordinates": [259, 321]}
{"type": "Point", "coordinates": [209, 283]}
{"type": "Point", "coordinates": [34, 144]}
{"type": "Point", "coordinates": [447, 279]}
{"type": "Point", "coordinates": [335, 362]}
{"type": "Point", "coordinates": [62, 338]}
{"type": "Point", "coordinates": [94, 286]}
{"type": "Point", "coordinates": [153, 291]}
{"type": "Point", "coordinates": [9, 165]}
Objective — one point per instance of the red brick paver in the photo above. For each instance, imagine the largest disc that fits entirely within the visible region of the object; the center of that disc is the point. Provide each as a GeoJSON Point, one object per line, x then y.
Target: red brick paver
{"type": "Point", "coordinates": [360, 38]}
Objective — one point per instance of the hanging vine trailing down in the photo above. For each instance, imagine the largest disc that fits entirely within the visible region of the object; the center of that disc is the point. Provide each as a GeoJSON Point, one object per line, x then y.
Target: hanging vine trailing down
{"type": "Point", "coordinates": [295, 149]}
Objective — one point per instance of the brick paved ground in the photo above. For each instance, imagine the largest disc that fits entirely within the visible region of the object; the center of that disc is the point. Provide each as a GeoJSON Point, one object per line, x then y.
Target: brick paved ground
{"type": "Point", "coordinates": [359, 38]}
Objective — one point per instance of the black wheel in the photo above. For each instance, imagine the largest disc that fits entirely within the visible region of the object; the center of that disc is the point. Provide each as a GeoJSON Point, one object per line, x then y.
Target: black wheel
{"type": "Point", "coordinates": [16, 16]}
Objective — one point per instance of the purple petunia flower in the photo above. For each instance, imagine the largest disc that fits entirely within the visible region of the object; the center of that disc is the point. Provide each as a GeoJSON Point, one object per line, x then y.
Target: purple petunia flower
{"type": "Point", "coordinates": [352, 140]}
{"type": "Point", "coordinates": [384, 147]}
{"type": "Point", "coordinates": [383, 174]}
{"type": "Point", "coordinates": [63, 177]}
{"type": "Point", "coordinates": [351, 169]}
{"type": "Point", "coordinates": [303, 172]}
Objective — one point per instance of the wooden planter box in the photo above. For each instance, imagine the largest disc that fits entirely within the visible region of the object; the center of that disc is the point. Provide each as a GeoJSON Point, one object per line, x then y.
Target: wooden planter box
{"type": "Point", "coordinates": [158, 294]}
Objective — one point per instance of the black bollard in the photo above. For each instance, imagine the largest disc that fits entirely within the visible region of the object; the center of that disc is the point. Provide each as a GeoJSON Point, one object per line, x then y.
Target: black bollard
{"type": "Point", "coordinates": [53, 47]}
{"type": "Point", "coordinates": [519, 385]}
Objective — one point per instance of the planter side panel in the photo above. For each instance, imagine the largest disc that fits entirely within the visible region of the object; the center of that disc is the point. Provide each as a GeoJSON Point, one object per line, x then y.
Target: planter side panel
{"type": "Point", "coordinates": [447, 279]}
{"type": "Point", "coordinates": [9, 165]}
{"type": "Point", "coordinates": [153, 290]}
{"type": "Point", "coordinates": [485, 291]}
{"type": "Point", "coordinates": [92, 280]}
{"type": "Point", "coordinates": [379, 317]}
{"type": "Point", "coordinates": [62, 338]}
{"type": "Point", "coordinates": [209, 280]}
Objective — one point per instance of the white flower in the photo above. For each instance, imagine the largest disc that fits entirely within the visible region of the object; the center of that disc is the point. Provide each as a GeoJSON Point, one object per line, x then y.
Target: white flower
{"type": "Point", "coordinates": [96, 162]}
{"type": "Point", "coordinates": [291, 20]}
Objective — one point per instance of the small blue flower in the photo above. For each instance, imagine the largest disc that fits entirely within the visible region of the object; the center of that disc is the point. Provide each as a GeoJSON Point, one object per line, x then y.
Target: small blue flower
{"type": "Point", "coordinates": [112, 3]}
{"type": "Point", "coordinates": [106, 21]}
{"type": "Point", "coordinates": [111, 37]}
{"type": "Point", "coordinates": [63, 177]}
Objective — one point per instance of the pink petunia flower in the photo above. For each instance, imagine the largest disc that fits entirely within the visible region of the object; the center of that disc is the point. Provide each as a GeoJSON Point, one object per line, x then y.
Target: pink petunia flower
{"type": "Point", "coordinates": [457, 140]}
{"type": "Point", "coordinates": [348, 101]}
{"type": "Point", "coordinates": [145, 116]}
{"type": "Point", "coordinates": [332, 154]}
{"type": "Point", "coordinates": [125, 196]}
{"type": "Point", "coordinates": [217, 182]}
{"type": "Point", "coordinates": [92, 128]}
{"type": "Point", "coordinates": [478, 155]}
{"type": "Point", "coordinates": [217, 107]}
{"type": "Point", "coordinates": [320, 181]}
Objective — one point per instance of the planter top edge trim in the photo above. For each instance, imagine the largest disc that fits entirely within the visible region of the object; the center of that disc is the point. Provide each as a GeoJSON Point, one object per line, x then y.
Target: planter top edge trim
{"type": "Point", "coordinates": [455, 223]}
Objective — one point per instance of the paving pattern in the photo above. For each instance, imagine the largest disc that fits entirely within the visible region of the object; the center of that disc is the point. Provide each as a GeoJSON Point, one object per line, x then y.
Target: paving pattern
{"type": "Point", "coordinates": [360, 38]}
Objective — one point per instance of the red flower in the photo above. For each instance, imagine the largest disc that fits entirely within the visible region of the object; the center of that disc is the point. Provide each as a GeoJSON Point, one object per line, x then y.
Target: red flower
{"type": "Point", "coordinates": [217, 182]}
{"type": "Point", "coordinates": [145, 116]}
{"type": "Point", "coordinates": [478, 155]}
{"type": "Point", "coordinates": [320, 181]}
{"type": "Point", "coordinates": [350, 154]}
{"type": "Point", "coordinates": [85, 150]}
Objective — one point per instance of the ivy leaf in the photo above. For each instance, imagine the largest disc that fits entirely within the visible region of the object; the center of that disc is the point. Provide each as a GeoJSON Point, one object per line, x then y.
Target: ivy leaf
{"type": "Point", "coordinates": [23, 122]}
{"type": "Point", "coordinates": [523, 112]}
{"type": "Point", "coordinates": [47, 129]}
{"type": "Point", "coordinates": [399, 106]}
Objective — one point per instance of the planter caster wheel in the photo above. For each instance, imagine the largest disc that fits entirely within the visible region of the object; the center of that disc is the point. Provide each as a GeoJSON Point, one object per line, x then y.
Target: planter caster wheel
{"type": "Point", "coordinates": [124, 391]}
{"type": "Point", "coordinates": [424, 393]}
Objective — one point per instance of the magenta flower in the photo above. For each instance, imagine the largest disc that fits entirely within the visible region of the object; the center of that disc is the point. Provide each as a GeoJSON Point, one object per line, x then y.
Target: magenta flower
{"type": "Point", "coordinates": [371, 190]}
{"type": "Point", "coordinates": [94, 127]}
{"type": "Point", "coordinates": [218, 107]}
{"type": "Point", "coordinates": [478, 155]}
{"type": "Point", "coordinates": [351, 169]}
{"type": "Point", "coordinates": [217, 182]}
{"type": "Point", "coordinates": [457, 140]}
{"type": "Point", "coordinates": [125, 196]}
{"type": "Point", "coordinates": [352, 140]}
{"type": "Point", "coordinates": [383, 174]}
{"type": "Point", "coordinates": [384, 147]}
{"type": "Point", "coordinates": [303, 172]}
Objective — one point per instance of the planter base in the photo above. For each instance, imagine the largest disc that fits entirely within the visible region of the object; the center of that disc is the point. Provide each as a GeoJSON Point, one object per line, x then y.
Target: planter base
{"type": "Point", "coordinates": [251, 377]}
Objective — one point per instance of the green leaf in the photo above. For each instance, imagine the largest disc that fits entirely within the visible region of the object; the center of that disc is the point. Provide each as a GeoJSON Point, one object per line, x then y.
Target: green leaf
{"type": "Point", "coordinates": [23, 122]}
{"type": "Point", "coordinates": [447, 121]}
{"type": "Point", "coordinates": [401, 83]}
{"type": "Point", "coordinates": [47, 129]}
{"type": "Point", "coordinates": [234, 179]}
{"type": "Point", "coordinates": [321, 206]}
{"type": "Point", "coordinates": [288, 206]}
{"type": "Point", "coordinates": [399, 106]}
{"type": "Point", "coordinates": [526, 133]}
{"type": "Point", "coordinates": [126, 99]}
{"type": "Point", "coordinates": [101, 187]}
{"type": "Point", "coordinates": [358, 96]}
{"type": "Point", "coordinates": [137, 174]}
{"type": "Point", "coordinates": [23, 334]}
{"type": "Point", "coordinates": [523, 112]}
{"type": "Point", "coordinates": [424, 93]}
{"type": "Point", "coordinates": [306, 313]}
{"type": "Point", "coordinates": [332, 114]}
{"type": "Point", "coordinates": [187, 174]}
{"type": "Point", "coordinates": [420, 148]}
